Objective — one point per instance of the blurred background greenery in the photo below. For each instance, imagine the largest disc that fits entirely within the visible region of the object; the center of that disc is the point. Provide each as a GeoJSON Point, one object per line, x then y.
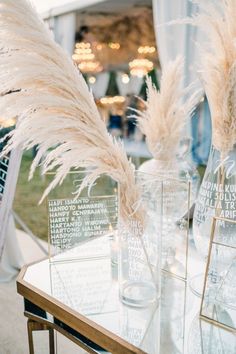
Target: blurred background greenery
{"type": "Point", "coordinates": [28, 194]}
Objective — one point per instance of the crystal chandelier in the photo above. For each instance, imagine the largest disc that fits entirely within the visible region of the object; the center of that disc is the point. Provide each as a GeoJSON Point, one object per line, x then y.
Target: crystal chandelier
{"type": "Point", "coordinates": [85, 59]}
{"type": "Point", "coordinates": [146, 49]}
{"type": "Point", "coordinates": [108, 100]}
{"type": "Point", "coordinates": [140, 67]}
{"type": "Point", "coordinates": [90, 66]}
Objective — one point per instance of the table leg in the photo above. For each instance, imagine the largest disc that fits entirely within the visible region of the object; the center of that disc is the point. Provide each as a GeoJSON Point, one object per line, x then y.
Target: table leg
{"type": "Point", "coordinates": [51, 341]}
{"type": "Point", "coordinates": [30, 336]}
{"type": "Point", "coordinates": [37, 326]}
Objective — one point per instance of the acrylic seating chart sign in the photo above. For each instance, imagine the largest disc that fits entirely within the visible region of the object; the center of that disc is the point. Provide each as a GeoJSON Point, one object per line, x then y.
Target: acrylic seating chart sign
{"type": "Point", "coordinates": [219, 293]}
{"type": "Point", "coordinates": [74, 221]}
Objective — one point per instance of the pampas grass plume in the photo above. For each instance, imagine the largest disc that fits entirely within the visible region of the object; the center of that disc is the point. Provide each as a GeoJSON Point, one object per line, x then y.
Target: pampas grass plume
{"type": "Point", "coordinates": [54, 108]}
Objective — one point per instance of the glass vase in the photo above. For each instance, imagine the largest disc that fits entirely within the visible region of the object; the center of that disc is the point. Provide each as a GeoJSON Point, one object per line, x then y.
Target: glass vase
{"type": "Point", "coordinates": [217, 197]}
{"type": "Point", "coordinates": [140, 247]}
{"type": "Point", "coordinates": [164, 169]}
{"type": "Point", "coordinates": [177, 168]}
{"type": "Point", "coordinates": [178, 197]}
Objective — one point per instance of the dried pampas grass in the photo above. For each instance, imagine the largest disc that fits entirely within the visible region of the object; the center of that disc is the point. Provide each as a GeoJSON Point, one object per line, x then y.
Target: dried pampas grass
{"type": "Point", "coordinates": [40, 85]}
{"type": "Point", "coordinates": [166, 112]}
{"type": "Point", "coordinates": [218, 60]}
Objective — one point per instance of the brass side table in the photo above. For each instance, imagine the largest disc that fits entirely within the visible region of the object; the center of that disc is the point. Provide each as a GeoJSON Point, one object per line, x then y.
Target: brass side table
{"type": "Point", "coordinates": [80, 299]}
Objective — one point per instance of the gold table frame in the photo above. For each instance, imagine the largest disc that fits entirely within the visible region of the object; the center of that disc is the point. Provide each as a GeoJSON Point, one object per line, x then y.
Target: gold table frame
{"type": "Point", "coordinates": [74, 320]}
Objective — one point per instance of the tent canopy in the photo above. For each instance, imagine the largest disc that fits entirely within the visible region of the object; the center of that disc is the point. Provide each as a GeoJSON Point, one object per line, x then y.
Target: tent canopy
{"type": "Point", "coordinates": [48, 8]}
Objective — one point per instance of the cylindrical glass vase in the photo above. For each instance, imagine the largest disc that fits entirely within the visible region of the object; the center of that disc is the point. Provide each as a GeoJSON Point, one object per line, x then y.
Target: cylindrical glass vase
{"type": "Point", "coordinates": [178, 169]}
{"type": "Point", "coordinates": [140, 246]}
{"type": "Point", "coordinates": [217, 197]}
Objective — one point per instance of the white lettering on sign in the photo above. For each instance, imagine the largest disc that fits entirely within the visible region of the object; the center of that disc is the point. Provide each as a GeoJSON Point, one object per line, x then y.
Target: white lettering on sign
{"type": "Point", "coordinates": [228, 165]}
{"type": "Point", "coordinates": [71, 221]}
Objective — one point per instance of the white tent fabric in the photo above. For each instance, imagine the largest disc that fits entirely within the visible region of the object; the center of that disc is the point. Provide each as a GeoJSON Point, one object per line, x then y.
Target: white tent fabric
{"type": "Point", "coordinates": [50, 8]}
{"type": "Point", "coordinates": [100, 86]}
{"type": "Point", "coordinates": [180, 39]}
{"type": "Point", "coordinates": [10, 255]}
{"type": "Point", "coordinates": [64, 29]}
{"type": "Point", "coordinates": [12, 259]}
{"type": "Point", "coordinates": [133, 87]}
{"type": "Point", "coordinates": [47, 5]}
{"type": "Point", "coordinates": [176, 39]}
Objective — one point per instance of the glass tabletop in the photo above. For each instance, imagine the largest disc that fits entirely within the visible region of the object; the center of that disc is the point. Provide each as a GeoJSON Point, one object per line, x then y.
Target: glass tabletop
{"type": "Point", "coordinates": [89, 286]}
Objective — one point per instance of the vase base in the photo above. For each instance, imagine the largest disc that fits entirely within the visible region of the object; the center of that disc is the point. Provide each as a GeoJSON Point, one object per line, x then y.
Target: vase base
{"type": "Point", "coordinates": [139, 294]}
{"type": "Point", "coordinates": [196, 284]}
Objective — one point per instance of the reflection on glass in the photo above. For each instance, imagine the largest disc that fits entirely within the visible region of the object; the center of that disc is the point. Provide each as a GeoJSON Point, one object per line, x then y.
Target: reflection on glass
{"type": "Point", "coordinates": [86, 286]}
{"type": "Point", "coordinates": [206, 338]}
{"type": "Point", "coordinates": [141, 327]}
{"type": "Point", "coordinates": [175, 226]}
{"type": "Point", "coordinates": [219, 297]}
{"type": "Point", "coordinates": [90, 288]}
{"type": "Point", "coordinates": [172, 314]}
{"type": "Point", "coordinates": [140, 247]}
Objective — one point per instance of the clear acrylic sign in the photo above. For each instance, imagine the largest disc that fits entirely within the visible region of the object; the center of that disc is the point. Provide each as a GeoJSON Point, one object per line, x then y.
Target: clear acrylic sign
{"type": "Point", "coordinates": [219, 293]}
{"type": "Point", "coordinates": [72, 221]}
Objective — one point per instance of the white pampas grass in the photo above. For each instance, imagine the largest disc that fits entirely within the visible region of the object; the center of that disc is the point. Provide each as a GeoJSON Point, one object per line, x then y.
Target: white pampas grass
{"type": "Point", "coordinates": [218, 61]}
{"type": "Point", "coordinates": [166, 112]}
{"type": "Point", "coordinates": [40, 85]}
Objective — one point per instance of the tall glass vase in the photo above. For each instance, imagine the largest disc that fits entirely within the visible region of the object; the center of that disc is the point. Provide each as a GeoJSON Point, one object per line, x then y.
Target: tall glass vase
{"type": "Point", "coordinates": [217, 197]}
{"type": "Point", "coordinates": [180, 185]}
{"type": "Point", "coordinates": [140, 246]}
{"type": "Point", "coordinates": [176, 166]}
{"type": "Point", "coordinates": [177, 169]}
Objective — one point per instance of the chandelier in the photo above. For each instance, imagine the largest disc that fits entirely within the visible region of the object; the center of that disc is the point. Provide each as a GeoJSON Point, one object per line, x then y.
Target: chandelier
{"type": "Point", "coordinates": [146, 49]}
{"type": "Point", "coordinates": [140, 67]}
{"type": "Point", "coordinates": [108, 100]}
{"type": "Point", "coordinates": [85, 59]}
{"type": "Point", "coordinates": [90, 66]}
